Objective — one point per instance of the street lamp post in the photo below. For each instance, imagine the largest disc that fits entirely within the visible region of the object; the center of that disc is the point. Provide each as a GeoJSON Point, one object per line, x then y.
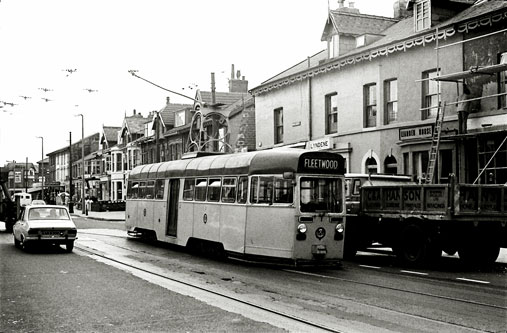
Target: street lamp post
{"type": "Point", "coordinates": [83, 209]}
{"type": "Point", "coordinates": [42, 165]}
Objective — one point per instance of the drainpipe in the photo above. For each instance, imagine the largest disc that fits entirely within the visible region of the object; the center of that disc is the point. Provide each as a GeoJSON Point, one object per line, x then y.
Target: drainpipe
{"type": "Point", "coordinates": [309, 105]}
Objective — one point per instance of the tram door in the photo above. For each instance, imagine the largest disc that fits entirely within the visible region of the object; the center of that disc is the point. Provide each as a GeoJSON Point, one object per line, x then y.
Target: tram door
{"type": "Point", "coordinates": [172, 215]}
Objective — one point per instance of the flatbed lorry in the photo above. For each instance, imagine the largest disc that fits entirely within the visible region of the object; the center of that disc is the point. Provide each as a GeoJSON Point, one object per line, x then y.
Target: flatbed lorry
{"type": "Point", "coordinates": [420, 221]}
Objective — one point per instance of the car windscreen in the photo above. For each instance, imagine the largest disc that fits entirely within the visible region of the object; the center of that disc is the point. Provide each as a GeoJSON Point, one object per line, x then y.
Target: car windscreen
{"type": "Point", "coordinates": [48, 213]}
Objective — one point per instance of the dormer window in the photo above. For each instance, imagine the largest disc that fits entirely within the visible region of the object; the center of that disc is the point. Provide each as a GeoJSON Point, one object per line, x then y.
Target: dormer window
{"type": "Point", "coordinates": [422, 15]}
{"type": "Point", "coordinates": [332, 46]}
{"type": "Point", "coordinates": [360, 41]}
{"type": "Point", "coordinates": [179, 118]}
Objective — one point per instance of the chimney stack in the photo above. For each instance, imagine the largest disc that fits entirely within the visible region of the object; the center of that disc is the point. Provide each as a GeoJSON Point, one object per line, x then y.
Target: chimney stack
{"type": "Point", "coordinates": [168, 100]}
{"type": "Point", "coordinates": [351, 4]}
{"type": "Point", "coordinates": [237, 84]}
{"type": "Point", "coordinates": [341, 3]}
{"type": "Point", "coordinates": [400, 9]}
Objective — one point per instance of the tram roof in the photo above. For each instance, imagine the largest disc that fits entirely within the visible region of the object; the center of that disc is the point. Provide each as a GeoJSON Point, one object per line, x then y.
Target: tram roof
{"type": "Point", "coordinates": [258, 162]}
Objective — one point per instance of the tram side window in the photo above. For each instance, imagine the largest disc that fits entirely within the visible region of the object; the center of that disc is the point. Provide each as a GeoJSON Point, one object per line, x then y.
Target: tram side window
{"type": "Point", "coordinates": [159, 189]}
{"type": "Point", "coordinates": [262, 190]}
{"type": "Point", "coordinates": [284, 190]}
{"type": "Point", "coordinates": [214, 189]}
{"type": "Point", "coordinates": [242, 189]}
{"type": "Point", "coordinates": [150, 189]}
{"type": "Point", "coordinates": [201, 185]}
{"type": "Point", "coordinates": [229, 190]}
{"type": "Point", "coordinates": [142, 190]}
{"type": "Point", "coordinates": [188, 189]}
{"type": "Point", "coordinates": [132, 190]}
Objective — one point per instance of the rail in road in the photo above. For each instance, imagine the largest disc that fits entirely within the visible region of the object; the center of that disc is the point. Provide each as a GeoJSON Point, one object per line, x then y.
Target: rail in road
{"type": "Point", "coordinates": [317, 325]}
{"type": "Point", "coordinates": [275, 316]}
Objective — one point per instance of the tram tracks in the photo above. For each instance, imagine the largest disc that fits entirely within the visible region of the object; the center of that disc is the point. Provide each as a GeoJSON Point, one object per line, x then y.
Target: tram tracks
{"type": "Point", "coordinates": [275, 316]}
{"type": "Point", "coordinates": [318, 326]}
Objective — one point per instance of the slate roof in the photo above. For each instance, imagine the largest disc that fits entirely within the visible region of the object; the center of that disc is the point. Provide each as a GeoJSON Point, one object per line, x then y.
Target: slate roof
{"type": "Point", "coordinates": [225, 98]}
{"type": "Point", "coordinates": [135, 124]}
{"type": "Point", "coordinates": [396, 33]}
{"type": "Point", "coordinates": [167, 113]}
{"type": "Point", "coordinates": [110, 134]}
{"type": "Point", "coordinates": [355, 24]}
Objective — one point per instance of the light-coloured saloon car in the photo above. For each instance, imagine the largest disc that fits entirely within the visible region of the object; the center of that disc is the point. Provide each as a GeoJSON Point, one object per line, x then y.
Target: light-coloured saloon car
{"type": "Point", "coordinates": [45, 223]}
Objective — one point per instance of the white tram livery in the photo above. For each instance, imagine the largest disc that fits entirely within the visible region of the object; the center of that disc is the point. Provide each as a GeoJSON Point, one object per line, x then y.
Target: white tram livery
{"type": "Point", "coordinates": [274, 205]}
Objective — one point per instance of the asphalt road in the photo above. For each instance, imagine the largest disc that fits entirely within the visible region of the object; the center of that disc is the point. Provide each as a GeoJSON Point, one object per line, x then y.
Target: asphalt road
{"type": "Point", "coordinates": [49, 290]}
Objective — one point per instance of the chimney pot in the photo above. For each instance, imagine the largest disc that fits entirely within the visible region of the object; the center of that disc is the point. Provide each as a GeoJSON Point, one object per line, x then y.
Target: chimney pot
{"type": "Point", "coordinates": [168, 100]}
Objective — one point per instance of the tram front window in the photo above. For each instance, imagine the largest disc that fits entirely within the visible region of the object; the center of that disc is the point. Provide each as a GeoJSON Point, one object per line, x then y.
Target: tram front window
{"type": "Point", "coordinates": [321, 195]}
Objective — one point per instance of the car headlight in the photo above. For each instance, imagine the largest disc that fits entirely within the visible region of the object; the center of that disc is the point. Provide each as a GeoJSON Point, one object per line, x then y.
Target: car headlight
{"type": "Point", "coordinates": [302, 228]}
{"type": "Point", "coordinates": [339, 228]}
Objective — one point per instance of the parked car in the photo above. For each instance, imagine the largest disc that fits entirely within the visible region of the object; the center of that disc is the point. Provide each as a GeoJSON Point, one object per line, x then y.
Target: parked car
{"type": "Point", "coordinates": [48, 224]}
{"type": "Point", "coordinates": [38, 202]}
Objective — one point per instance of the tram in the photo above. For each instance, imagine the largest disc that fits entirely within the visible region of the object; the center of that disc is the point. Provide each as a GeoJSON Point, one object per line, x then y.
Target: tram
{"type": "Point", "coordinates": [284, 205]}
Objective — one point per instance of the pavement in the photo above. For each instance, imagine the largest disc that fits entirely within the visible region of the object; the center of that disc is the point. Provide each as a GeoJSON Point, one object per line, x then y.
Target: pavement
{"type": "Point", "coordinates": [101, 216]}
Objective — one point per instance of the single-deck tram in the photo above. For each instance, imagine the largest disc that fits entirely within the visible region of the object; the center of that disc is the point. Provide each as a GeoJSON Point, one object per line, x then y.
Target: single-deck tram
{"type": "Point", "coordinates": [275, 205]}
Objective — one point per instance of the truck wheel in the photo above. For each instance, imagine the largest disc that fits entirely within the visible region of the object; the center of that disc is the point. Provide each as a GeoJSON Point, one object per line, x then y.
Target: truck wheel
{"type": "Point", "coordinates": [414, 247]}
{"type": "Point", "coordinates": [483, 254]}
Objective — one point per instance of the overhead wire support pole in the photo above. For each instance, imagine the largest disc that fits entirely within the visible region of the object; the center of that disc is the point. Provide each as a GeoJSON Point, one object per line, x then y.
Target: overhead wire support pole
{"type": "Point", "coordinates": [133, 72]}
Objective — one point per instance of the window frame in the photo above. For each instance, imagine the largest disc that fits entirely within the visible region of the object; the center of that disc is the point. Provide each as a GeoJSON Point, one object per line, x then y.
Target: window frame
{"type": "Point", "coordinates": [422, 15]}
{"type": "Point", "coordinates": [502, 81]}
{"type": "Point", "coordinates": [391, 105]}
{"type": "Point", "coordinates": [427, 93]}
{"type": "Point", "coordinates": [189, 191]}
{"type": "Point", "coordinates": [242, 192]}
{"type": "Point", "coordinates": [214, 189]}
{"type": "Point", "coordinates": [200, 192]}
{"type": "Point", "coordinates": [278, 125]}
{"type": "Point", "coordinates": [229, 186]}
{"type": "Point", "coordinates": [331, 113]}
{"type": "Point", "coordinates": [370, 105]}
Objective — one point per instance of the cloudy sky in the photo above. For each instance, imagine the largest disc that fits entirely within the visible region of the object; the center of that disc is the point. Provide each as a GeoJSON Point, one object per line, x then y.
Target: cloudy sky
{"type": "Point", "coordinates": [176, 44]}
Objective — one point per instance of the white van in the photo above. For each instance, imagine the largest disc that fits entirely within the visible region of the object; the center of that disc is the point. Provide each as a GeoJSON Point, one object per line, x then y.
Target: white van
{"type": "Point", "coordinates": [24, 198]}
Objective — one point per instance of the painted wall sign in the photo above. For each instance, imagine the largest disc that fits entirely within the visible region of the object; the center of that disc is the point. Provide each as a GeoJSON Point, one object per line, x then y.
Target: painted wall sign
{"type": "Point", "coordinates": [417, 132]}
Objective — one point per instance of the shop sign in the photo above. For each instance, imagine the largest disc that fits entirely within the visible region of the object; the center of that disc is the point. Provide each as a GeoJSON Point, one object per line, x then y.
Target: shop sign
{"type": "Point", "coordinates": [417, 132]}
{"type": "Point", "coordinates": [324, 143]}
{"type": "Point", "coordinates": [53, 184]}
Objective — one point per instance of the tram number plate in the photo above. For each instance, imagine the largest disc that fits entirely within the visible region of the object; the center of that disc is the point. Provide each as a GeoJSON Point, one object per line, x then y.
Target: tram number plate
{"type": "Point", "coordinates": [319, 249]}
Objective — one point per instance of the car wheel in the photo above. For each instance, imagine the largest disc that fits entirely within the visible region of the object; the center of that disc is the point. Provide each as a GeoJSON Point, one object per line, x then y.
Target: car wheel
{"type": "Point", "coordinates": [69, 246]}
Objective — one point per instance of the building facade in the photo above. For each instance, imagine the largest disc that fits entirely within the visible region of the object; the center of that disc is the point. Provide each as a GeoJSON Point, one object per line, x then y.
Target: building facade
{"type": "Point", "coordinates": [373, 94]}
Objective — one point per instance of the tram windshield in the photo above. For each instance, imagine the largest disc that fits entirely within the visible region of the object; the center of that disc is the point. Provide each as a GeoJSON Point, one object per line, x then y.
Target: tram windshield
{"type": "Point", "coordinates": [321, 195]}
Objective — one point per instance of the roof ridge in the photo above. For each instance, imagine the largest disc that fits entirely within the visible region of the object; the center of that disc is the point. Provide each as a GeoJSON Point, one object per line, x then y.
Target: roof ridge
{"type": "Point", "coordinates": [364, 15]}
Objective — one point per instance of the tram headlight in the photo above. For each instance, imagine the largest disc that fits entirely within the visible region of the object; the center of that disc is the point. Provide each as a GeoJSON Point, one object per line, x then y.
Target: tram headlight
{"type": "Point", "coordinates": [302, 228]}
{"type": "Point", "coordinates": [339, 230]}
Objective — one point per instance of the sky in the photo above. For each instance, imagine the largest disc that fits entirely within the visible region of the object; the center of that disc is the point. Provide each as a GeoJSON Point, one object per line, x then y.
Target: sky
{"type": "Point", "coordinates": [68, 46]}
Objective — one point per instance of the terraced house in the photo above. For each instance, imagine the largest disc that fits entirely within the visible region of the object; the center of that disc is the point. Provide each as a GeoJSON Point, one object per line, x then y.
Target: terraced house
{"type": "Point", "coordinates": [384, 92]}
